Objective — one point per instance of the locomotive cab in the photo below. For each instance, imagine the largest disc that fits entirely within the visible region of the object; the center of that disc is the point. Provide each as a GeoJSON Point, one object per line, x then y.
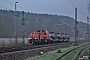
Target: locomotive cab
{"type": "Point", "coordinates": [41, 36]}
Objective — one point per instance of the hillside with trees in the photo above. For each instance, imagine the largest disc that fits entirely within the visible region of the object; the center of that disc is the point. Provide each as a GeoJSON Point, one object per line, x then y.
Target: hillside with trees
{"type": "Point", "coordinates": [34, 22]}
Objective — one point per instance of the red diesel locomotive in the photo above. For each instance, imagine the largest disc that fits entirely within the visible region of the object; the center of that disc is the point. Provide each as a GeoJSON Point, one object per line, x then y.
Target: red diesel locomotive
{"type": "Point", "coordinates": [41, 36]}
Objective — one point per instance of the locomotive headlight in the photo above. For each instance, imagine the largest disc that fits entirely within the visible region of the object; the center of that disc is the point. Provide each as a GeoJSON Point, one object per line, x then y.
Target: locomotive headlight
{"type": "Point", "coordinates": [35, 38]}
{"type": "Point", "coordinates": [30, 38]}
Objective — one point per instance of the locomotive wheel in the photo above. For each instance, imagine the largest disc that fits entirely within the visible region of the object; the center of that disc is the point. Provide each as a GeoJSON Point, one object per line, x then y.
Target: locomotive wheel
{"type": "Point", "coordinates": [51, 42]}
{"type": "Point", "coordinates": [48, 41]}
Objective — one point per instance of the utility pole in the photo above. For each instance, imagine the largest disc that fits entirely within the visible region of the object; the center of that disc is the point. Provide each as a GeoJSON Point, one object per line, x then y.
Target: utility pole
{"type": "Point", "coordinates": [45, 24]}
{"type": "Point", "coordinates": [76, 30]}
{"type": "Point", "coordinates": [15, 25]}
{"type": "Point", "coordinates": [88, 28]}
{"type": "Point", "coordinates": [23, 28]}
{"type": "Point", "coordinates": [40, 24]}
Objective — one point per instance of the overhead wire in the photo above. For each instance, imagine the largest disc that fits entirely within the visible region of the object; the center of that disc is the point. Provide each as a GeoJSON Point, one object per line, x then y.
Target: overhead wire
{"type": "Point", "coordinates": [78, 9]}
{"type": "Point", "coordinates": [13, 4]}
{"type": "Point", "coordinates": [30, 11]}
{"type": "Point", "coordinates": [9, 9]}
{"type": "Point", "coordinates": [72, 3]}
{"type": "Point", "coordinates": [3, 7]}
{"type": "Point", "coordinates": [8, 1]}
{"type": "Point", "coordinates": [17, 5]}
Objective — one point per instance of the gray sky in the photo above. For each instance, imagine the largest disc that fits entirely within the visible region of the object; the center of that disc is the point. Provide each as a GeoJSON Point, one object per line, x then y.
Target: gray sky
{"type": "Point", "coordinates": [60, 7]}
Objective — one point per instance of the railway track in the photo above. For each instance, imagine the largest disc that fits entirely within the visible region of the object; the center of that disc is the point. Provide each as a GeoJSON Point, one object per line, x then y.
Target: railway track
{"type": "Point", "coordinates": [23, 52]}
{"type": "Point", "coordinates": [26, 47]}
{"type": "Point", "coordinates": [80, 54]}
{"type": "Point", "coordinates": [70, 52]}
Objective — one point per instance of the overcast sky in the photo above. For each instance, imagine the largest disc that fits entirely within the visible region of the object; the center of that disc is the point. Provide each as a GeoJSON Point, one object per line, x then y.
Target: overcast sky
{"type": "Point", "coordinates": [60, 7]}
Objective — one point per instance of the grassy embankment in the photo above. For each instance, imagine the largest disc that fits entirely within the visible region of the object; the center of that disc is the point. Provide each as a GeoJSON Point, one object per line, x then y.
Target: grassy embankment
{"type": "Point", "coordinates": [86, 53]}
{"type": "Point", "coordinates": [54, 55]}
{"type": "Point", "coordinates": [74, 54]}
